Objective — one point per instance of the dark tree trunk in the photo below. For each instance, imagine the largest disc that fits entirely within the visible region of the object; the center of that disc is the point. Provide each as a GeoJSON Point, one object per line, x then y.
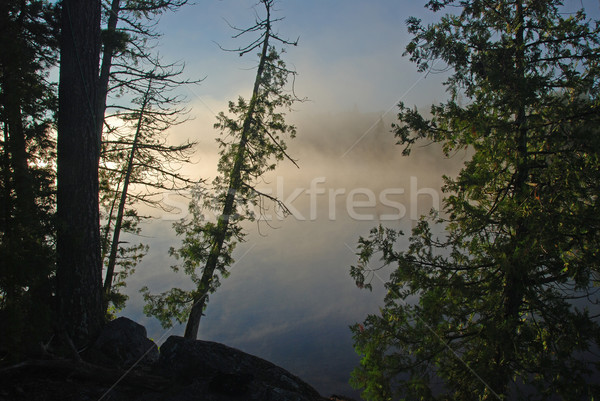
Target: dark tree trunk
{"type": "Point", "coordinates": [79, 269]}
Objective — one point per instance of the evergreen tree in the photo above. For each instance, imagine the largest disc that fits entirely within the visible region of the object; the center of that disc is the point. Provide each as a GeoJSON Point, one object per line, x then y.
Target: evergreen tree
{"type": "Point", "coordinates": [28, 33]}
{"type": "Point", "coordinates": [501, 305]}
{"type": "Point", "coordinates": [252, 142]}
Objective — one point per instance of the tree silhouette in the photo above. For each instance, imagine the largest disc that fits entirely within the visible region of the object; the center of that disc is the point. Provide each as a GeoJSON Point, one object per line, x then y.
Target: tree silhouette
{"type": "Point", "coordinates": [28, 32]}
{"type": "Point", "coordinates": [251, 144]}
{"type": "Point", "coordinates": [136, 153]}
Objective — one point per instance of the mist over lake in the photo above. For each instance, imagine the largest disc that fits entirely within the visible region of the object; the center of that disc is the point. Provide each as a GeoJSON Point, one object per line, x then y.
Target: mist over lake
{"type": "Point", "coordinates": [290, 298]}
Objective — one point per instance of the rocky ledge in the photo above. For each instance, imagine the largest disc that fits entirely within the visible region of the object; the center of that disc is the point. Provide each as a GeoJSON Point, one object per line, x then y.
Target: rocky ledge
{"type": "Point", "coordinates": [123, 364]}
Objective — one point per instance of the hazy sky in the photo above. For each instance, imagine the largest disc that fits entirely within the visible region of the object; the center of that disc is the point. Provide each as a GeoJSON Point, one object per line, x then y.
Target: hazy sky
{"type": "Point", "coordinates": [290, 298]}
{"type": "Point", "coordinates": [349, 52]}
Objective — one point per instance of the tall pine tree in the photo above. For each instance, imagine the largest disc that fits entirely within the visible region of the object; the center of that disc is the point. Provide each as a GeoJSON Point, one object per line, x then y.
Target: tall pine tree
{"type": "Point", "coordinates": [79, 269]}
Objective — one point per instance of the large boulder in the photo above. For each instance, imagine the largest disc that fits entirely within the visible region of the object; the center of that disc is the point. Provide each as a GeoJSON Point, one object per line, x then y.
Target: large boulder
{"type": "Point", "coordinates": [186, 370]}
{"type": "Point", "coordinates": [123, 343]}
{"type": "Point", "coordinates": [223, 373]}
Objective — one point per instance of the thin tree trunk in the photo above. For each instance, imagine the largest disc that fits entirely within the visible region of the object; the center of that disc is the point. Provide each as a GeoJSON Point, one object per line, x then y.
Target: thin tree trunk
{"type": "Point", "coordinates": [235, 182]}
{"type": "Point", "coordinates": [103, 79]}
{"type": "Point", "coordinates": [114, 246]}
{"type": "Point", "coordinates": [107, 56]}
{"type": "Point", "coordinates": [79, 269]}
{"type": "Point", "coordinates": [106, 232]}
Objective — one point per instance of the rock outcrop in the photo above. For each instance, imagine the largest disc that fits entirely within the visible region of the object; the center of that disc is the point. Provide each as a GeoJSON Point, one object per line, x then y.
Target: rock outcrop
{"type": "Point", "coordinates": [226, 373]}
{"type": "Point", "coordinates": [123, 364]}
{"type": "Point", "coordinates": [123, 343]}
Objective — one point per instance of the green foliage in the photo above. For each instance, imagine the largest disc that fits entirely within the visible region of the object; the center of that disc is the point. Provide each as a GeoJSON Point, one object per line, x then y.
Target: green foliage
{"type": "Point", "coordinates": [501, 305]}
{"type": "Point", "coordinates": [172, 304]}
{"type": "Point", "coordinates": [198, 238]}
